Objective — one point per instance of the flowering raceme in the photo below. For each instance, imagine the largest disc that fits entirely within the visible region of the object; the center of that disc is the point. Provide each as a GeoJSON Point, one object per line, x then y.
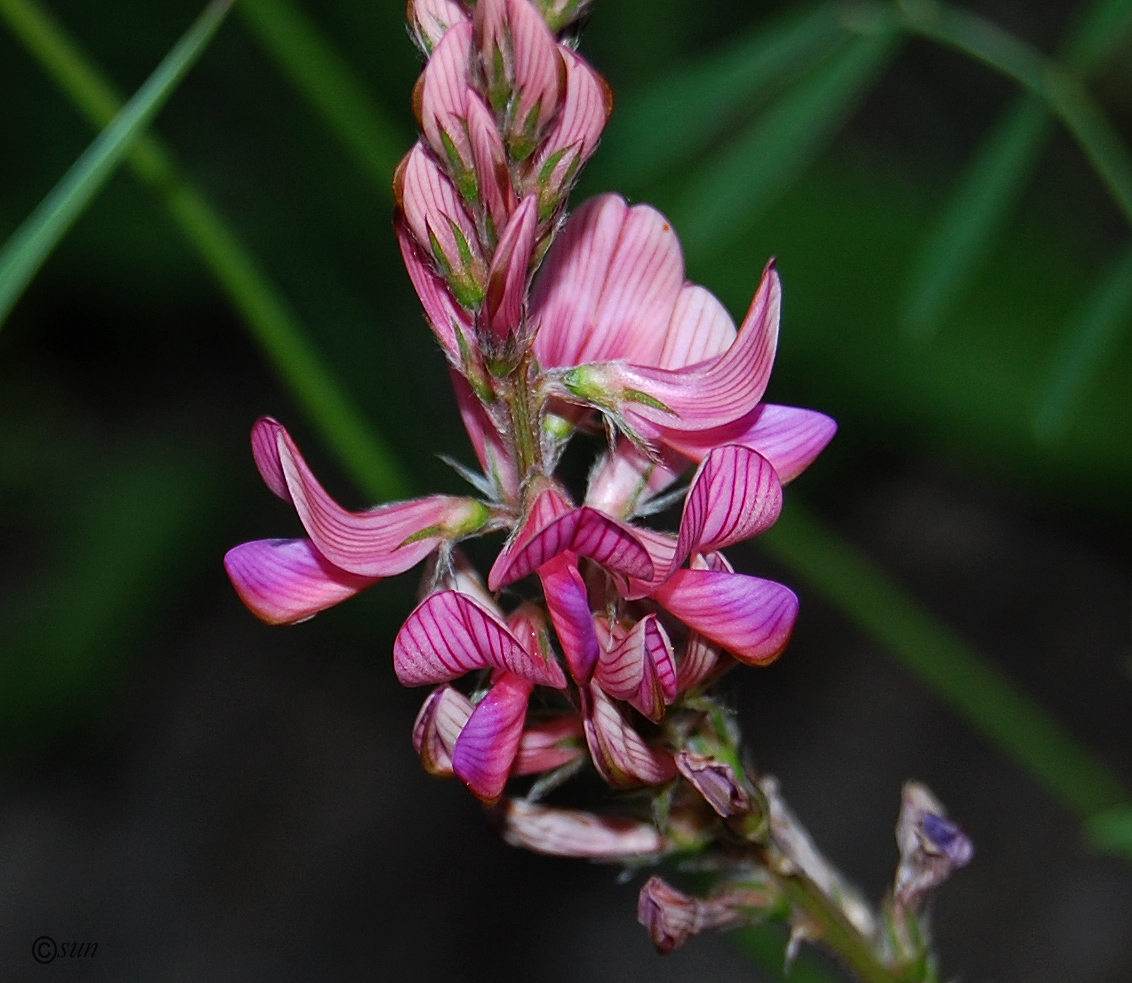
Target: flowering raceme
{"type": "Point", "coordinates": [551, 326]}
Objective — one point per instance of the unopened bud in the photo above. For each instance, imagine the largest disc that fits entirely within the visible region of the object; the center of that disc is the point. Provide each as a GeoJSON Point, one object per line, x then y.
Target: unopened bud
{"type": "Point", "coordinates": [931, 846]}
{"type": "Point", "coordinates": [717, 782]}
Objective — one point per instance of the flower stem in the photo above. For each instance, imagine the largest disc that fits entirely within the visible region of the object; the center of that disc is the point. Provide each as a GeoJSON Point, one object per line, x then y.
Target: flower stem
{"type": "Point", "coordinates": [524, 419]}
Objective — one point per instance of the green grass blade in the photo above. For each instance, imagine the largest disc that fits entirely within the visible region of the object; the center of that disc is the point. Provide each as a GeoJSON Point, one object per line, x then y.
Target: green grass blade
{"type": "Point", "coordinates": [988, 193]}
{"type": "Point", "coordinates": [324, 78]}
{"type": "Point", "coordinates": [734, 190]}
{"type": "Point", "coordinates": [32, 242]}
{"type": "Point", "coordinates": [975, 215]}
{"type": "Point", "coordinates": [679, 115]}
{"type": "Point", "coordinates": [1092, 333]}
{"type": "Point", "coordinates": [990, 702]}
{"type": "Point", "coordinates": [276, 329]}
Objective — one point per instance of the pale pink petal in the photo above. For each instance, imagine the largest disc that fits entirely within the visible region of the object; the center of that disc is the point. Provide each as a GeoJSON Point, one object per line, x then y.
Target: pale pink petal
{"type": "Point", "coordinates": [735, 494]}
{"type": "Point", "coordinates": [430, 20]}
{"type": "Point", "coordinates": [449, 634]}
{"type": "Point", "coordinates": [486, 747]}
{"type": "Point", "coordinates": [569, 607]}
{"type": "Point", "coordinates": [572, 833]}
{"type": "Point", "coordinates": [283, 581]}
{"type": "Point", "coordinates": [700, 329]}
{"type": "Point", "coordinates": [549, 744]}
{"type": "Point", "coordinates": [749, 617]}
{"type": "Point", "coordinates": [626, 479]}
{"type": "Point", "coordinates": [640, 669]}
{"type": "Point", "coordinates": [445, 316]}
{"type": "Point", "coordinates": [383, 541]}
{"type": "Point", "coordinates": [507, 278]}
{"type": "Point", "coordinates": [584, 531]}
{"type": "Point", "coordinates": [492, 451]}
{"type": "Point", "coordinates": [619, 753]}
{"type": "Point", "coordinates": [492, 173]}
{"type": "Point", "coordinates": [437, 727]}
{"type": "Point", "coordinates": [443, 95]}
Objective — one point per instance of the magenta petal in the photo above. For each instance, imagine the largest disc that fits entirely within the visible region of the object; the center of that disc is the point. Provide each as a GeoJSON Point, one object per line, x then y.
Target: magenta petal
{"type": "Point", "coordinates": [584, 531]}
{"type": "Point", "coordinates": [486, 747]}
{"type": "Point", "coordinates": [265, 450]}
{"type": "Point", "coordinates": [449, 634]}
{"type": "Point", "coordinates": [735, 494]}
{"type": "Point", "coordinates": [619, 753]}
{"type": "Point", "coordinates": [749, 617]}
{"type": "Point", "coordinates": [661, 548]}
{"type": "Point", "coordinates": [640, 668]}
{"type": "Point", "coordinates": [287, 580]}
{"type": "Point", "coordinates": [714, 393]}
{"type": "Point", "coordinates": [507, 279]}
{"type": "Point", "coordinates": [572, 833]}
{"type": "Point", "coordinates": [549, 744]}
{"type": "Point", "coordinates": [569, 607]}
{"type": "Point", "coordinates": [698, 661]}
{"type": "Point", "coordinates": [437, 727]}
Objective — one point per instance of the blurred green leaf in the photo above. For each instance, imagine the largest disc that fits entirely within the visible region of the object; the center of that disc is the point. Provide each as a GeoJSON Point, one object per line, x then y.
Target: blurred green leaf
{"type": "Point", "coordinates": [989, 190]}
{"type": "Point", "coordinates": [1111, 830]}
{"type": "Point", "coordinates": [32, 242]}
{"type": "Point", "coordinates": [1092, 333]}
{"type": "Point", "coordinates": [323, 76]}
{"type": "Point", "coordinates": [992, 704]}
{"type": "Point", "coordinates": [680, 114]}
{"type": "Point", "coordinates": [732, 191]}
{"type": "Point", "coordinates": [272, 323]}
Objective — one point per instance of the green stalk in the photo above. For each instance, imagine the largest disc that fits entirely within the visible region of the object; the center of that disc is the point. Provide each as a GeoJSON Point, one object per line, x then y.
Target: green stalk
{"type": "Point", "coordinates": [275, 327]}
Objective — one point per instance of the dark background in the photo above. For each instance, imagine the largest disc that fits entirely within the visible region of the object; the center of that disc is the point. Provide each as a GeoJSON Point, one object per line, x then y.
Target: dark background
{"type": "Point", "coordinates": [212, 799]}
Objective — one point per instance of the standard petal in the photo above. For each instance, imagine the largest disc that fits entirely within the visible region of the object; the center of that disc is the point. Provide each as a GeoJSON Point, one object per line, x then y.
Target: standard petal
{"type": "Point", "coordinates": [619, 753]}
{"type": "Point", "coordinates": [569, 607]}
{"type": "Point", "coordinates": [735, 494]}
{"type": "Point", "coordinates": [283, 581]}
{"type": "Point", "coordinates": [700, 329]}
{"type": "Point", "coordinates": [640, 668]}
{"type": "Point", "coordinates": [572, 833]}
{"type": "Point", "coordinates": [486, 747]}
{"type": "Point", "coordinates": [437, 727]}
{"type": "Point", "coordinates": [383, 541]}
{"type": "Point", "coordinates": [507, 279]}
{"type": "Point", "coordinates": [747, 616]}
{"type": "Point", "coordinates": [449, 634]}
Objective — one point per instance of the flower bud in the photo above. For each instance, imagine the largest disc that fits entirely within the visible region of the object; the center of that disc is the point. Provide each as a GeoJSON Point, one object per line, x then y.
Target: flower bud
{"type": "Point", "coordinates": [931, 846]}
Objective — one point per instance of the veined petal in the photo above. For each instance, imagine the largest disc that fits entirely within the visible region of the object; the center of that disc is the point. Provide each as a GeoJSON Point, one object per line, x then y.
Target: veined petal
{"type": "Point", "coordinates": [437, 727]}
{"type": "Point", "coordinates": [265, 450]}
{"type": "Point", "coordinates": [486, 747]}
{"type": "Point", "coordinates": [626, 480]}
{"type": "Point", "coordinates": [283, 581]}
{"type": "Point", "coordinates": [619, 753]}
{"type": "Point", "coordinates": [749, 617]}
{"type": "Point", "coordinates": [383, 541]}
{"type": "Point", "coordinates": [442, 108]}
{"type": "Point", "coordinates": [572, 833]}
{"type": "Point", "coordinates": [492, 173]}
{"type": "Point", "coordinates": [698, 661]}
{"type": "Point", "coordinates": [445, 315]}
{"type": "Point", "coordinates": [735, 494]}
{"type": "Point", "coordinates": [640, 669]}
{"type": "Point", "coordinates": [700, 329]}
{"type": "Point", "coordinates": [449, 634]}
{"type": "Point", "coordinates": [661, 548]}
{"type": "Point", "coordinates": [430, 20]}
{"type": "Point", "coordinates": [548, 505]}
{"type": "Point", "coordinates": [507, 278]}
{"type": "Point", "coordinates": [569, 607]}
{"type": "Point", "coordinates": [584, 531]}
{"type": "Point", "coordinates": [549, 744]}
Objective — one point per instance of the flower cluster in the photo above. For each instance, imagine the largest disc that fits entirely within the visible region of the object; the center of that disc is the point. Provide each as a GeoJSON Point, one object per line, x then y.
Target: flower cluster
{"type": "Point", "coordinates": [553, 326]}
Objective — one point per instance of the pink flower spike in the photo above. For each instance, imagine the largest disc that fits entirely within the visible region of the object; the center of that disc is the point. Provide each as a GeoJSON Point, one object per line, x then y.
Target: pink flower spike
{"type": "Point", "coordinates": [548, 745]}
{"type": "Point", "coordinates": [443, 92]}
{"type": "Point", "coordinates": [439, 222]}
{"type": "Point", "coordinates": [507, 278]}
{"type": "Point", "coordinates": [492, 172]}
{"type": "Point", "coordinates": [640, 668]}
{"type": "Point", "coordinates": [569, 607]}
{"type": "Point", "coordinates": [445, 315]}
{"type": "Point", "coordinates": [430, 20]}
{"type": "Point", "coordinates": [486, 747]}
{"type": "Point", "coordinates": [381, 542]}
{"type": "Point", "coordinates": [284, 581]}
{"type": "Point", "coordinates": [437, 727]}
{"type": "Point", "coordinates": [747, 616]}
{"type": "Point", "coordinates": [734, 495]}
{"type": "Point", "coordinates": [619, 753]}
{"type": "Point", "coordinates": [572, 833]}
{"type": "Point", "coordinates": [584, 531]}
{"type": "Point", "coordinates": [449, 634]}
